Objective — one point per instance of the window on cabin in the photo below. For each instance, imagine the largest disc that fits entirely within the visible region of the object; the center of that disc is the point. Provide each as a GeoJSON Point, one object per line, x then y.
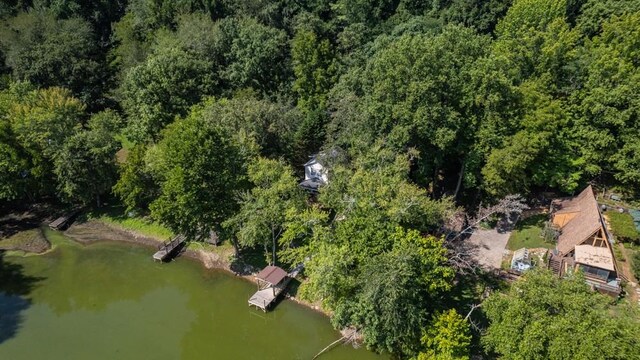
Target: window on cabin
{"type": "Point", "coordinates": [595, 272]}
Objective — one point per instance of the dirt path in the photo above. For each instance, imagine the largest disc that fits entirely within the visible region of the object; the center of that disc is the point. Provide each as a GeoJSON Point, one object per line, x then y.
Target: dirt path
{"type": "Point", "coordinates": [625, 267]}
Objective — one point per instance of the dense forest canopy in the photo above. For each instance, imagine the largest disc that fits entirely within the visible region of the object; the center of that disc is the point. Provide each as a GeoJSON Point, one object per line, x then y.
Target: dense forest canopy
{"type": "Point", "coordinates": [426, 108]}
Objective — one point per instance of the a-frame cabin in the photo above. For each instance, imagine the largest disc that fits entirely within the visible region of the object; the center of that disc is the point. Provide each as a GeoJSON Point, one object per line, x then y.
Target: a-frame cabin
{"type": "Point", "coordinates": [584, 242]}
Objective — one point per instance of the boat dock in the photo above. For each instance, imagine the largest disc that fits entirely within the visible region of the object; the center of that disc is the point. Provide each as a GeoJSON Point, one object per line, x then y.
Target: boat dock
{"type": "Point", "coordinates": [167, 248]}
{"type": "Point", "coordinates": [272, 281]}
{"type": "Point", "coordinates": [64, 221]}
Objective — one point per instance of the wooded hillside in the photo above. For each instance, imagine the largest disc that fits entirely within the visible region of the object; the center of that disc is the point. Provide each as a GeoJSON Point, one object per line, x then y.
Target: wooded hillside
{"type": "Point", "coordinates": [422, 109]}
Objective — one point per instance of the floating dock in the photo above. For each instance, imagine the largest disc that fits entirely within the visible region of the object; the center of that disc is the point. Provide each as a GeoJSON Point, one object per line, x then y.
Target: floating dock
{"type": "Point", "coordinates": [64, 221]}
{"type": "Point", "coordinates": [272, 281]}
{"type": "Point", "coordinates": [168, 248]}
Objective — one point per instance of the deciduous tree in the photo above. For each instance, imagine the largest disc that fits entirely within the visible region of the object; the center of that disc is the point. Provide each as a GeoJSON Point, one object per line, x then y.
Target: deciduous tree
{"type": "Point", "coordinates": [85, 166]}
{"type": "Point", "coordinates": [200, 168]}
{"type": "Point", "coordinates": [262, 215]}
{"type": "Point", "coordinates": [545, 317]}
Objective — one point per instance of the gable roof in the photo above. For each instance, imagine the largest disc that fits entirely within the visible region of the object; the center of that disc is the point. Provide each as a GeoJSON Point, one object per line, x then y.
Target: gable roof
{"type": "Point", "coordinates": [272, 274]}
{"type": "Point", "coordinates": [584, 224]}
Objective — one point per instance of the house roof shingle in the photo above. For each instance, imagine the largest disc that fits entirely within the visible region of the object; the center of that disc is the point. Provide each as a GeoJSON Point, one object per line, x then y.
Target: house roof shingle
{"type": "Point", "coordinates": [585, 223]}
{"type": "Point", "coordinates": [272, 274]}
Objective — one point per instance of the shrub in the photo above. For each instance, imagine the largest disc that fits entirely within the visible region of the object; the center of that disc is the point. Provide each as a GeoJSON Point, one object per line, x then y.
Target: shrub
{"type": "Point", "coordinates": [623, 227]}
{"type": "Point", "coordinates": [635, 264]}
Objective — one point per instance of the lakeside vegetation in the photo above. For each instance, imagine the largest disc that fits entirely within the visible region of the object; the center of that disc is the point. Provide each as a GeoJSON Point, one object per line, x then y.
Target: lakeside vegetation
{"type": "Point", "coordinates": [423, 114]}
{"type": "Point", "coordinates": [116, 215]}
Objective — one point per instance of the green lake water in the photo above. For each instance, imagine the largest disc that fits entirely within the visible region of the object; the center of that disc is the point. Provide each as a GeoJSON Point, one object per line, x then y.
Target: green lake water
{"type": "Point", "coordinates": [111, 301]}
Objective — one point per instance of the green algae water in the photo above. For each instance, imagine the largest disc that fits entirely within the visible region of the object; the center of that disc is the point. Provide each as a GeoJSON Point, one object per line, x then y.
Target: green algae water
{"type": "Point", "coordinates": [111, 301]}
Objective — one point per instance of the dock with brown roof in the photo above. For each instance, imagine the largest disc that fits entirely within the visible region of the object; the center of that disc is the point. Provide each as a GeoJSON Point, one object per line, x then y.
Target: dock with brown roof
{"type": "Point", "coordinates": [272, 281]}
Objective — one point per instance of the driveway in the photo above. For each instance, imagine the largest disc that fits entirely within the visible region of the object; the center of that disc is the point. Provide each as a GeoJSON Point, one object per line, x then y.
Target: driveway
{"type": "Point", "coordinates": [489, 246]}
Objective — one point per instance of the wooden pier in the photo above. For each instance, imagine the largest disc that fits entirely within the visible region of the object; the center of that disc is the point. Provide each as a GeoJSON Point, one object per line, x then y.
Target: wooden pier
{"type": "Point", "coordinates": [64, 221]}
{"type": "Point", "coordinates": [272, 281]}
{"type": "Point", "coordinates": [168, 248]}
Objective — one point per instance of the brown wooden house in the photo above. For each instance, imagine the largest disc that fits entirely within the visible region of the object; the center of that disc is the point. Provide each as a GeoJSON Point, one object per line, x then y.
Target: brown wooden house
{"type": "Point", "coordinates": [584, 242]}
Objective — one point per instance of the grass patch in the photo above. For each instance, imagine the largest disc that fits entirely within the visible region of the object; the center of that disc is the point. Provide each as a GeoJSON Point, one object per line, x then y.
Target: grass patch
{"type": "Point", "coordinates": [623, 226]}
{"type": "Point", "coordinates": [505, 264]}
{"type": "Point", "coordinates": [635, 263]}
{"type": "Point", "coordinates": [617, 252]}
{"type": "Point", "coordinates": [116, 215]}
{"type": "Point", "coordinates": [28, 240]}
{"type": "Point", "coordinates": [527, 233]}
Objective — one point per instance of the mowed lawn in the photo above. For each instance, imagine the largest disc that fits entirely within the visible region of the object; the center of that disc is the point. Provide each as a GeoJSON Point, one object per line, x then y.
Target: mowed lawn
{"type": "Point", "coordinates": [527, 234]}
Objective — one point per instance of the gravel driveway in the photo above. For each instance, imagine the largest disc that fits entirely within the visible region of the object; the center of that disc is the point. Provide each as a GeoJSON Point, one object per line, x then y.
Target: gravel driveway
{"type": "Point", "coordinates": [489, 247]}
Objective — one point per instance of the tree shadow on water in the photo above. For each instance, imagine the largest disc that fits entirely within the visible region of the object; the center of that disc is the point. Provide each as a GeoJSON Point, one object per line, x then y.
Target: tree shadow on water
{"type": "Point", "coordinates": [15, 286]}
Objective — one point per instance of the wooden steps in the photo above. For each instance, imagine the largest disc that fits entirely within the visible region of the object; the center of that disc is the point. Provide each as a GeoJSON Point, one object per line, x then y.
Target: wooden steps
{"type": "Point", "coordinates": [555, 266]}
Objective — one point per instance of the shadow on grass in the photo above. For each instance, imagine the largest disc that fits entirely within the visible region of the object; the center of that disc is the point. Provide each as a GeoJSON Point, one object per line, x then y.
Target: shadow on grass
{"type": "Point", "coordinates": [528, 233]}
{"type": "Point", "coordinates": [115, 212]}
{"type": "Point", "coordinates": [532, 221]}
{"type": "Point", "coordinates": [23, 217]}
{"type": "Point", "coordinates": [250, 260]}
{"type": "Point", "coordinates": [15, 286]}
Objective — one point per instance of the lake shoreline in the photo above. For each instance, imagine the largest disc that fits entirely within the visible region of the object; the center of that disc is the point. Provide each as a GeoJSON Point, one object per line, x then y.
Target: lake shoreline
{"type": "Point", "coordinates": [21, 229]}
{"type": "Point", "coordinates": [84, 233]}
{"type": "Point", "coordinates": [91, 231]}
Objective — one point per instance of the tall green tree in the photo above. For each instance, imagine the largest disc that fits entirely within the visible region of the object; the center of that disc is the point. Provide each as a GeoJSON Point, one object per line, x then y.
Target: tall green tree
{"type": "Point", "coordinates": [165, 86]}
{"type": "Point", "coordinates": [446, 338]}
{"type": "Point", "coordinates": [594, 13]}
{"type": "Point", "coordinates": [480, 14]}
{"type": "Point", "coordinates": [39, 123]}
{"type": "Point", "coordinates": [399, 289]}
{"type": "Point", "coordinates": [85, 166]}
{"type": "Point", "coordinates": [257, 55]}
{"type": "Point", "coordinates": [49, 52]}
{"type": "Point", "coordinates": [199, 168]}
{"type": "Point", "coordinates": [265, 127]}
{"type": "Point", "coordinates": [607, 106]}
{"type": "Point", "coordinates": [543, 152]}
{"type": "Point", "coordinates": [262, 215]}
{"type": "Point", "coordinates": [539, 43]}
{"type": "Point", "coordinates": [314, 67]}
{"type": "Point", "coordinates": [136, 186]}
{"type": "Point", "coordinates": [544, 317]}
{"type": "Point", "coordinates": [421, 91]}
{"type": "Point", "coordinates": [13, 165]}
